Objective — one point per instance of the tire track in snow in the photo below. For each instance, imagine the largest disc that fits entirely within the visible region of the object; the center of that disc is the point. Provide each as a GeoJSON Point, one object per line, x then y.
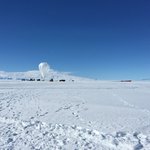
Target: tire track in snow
{"type": "Point", "coordinates": [122, 100]}
{"type": "Point", "coordinates": [143, 128]}
{"type": "Point", "coordinates": [126, 103]}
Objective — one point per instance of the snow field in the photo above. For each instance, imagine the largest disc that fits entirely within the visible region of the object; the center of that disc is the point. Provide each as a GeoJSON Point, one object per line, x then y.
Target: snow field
{"type": "Point", "coordinates": [97, 115]}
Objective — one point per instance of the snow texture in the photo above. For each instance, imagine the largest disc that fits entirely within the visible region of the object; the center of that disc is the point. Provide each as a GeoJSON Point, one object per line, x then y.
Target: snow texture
{"type": "Point", "coordinates": [38, 135]}
{"type": "Point", "coordinates": [97, 115]}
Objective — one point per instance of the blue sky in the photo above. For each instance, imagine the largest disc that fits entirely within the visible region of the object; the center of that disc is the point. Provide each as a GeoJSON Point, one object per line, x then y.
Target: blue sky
{"type": "Point", "coordinates": [104, 39]}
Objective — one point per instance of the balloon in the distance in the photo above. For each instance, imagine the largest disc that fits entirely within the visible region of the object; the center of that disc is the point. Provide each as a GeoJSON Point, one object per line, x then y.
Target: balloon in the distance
{"type": "Point", "coordinates": [44, 69]}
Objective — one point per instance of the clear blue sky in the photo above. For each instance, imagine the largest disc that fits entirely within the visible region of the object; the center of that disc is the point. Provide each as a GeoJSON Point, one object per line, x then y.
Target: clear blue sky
{"type": "Point", "coordinates": [104, 39]}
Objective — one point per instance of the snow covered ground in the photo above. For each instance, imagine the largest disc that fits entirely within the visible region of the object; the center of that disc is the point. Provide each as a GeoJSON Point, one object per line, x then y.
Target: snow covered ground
{"type": "Point", "coordinates": [101, 115]}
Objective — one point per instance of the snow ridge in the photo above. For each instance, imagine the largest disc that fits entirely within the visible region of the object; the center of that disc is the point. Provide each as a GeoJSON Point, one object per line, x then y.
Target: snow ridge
{"type": "Point", "coordinates": [36, 135]}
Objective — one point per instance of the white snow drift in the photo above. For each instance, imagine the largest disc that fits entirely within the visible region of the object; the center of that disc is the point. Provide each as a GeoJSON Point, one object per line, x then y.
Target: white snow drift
{"type": "Point", "coordinates": [38, 135]}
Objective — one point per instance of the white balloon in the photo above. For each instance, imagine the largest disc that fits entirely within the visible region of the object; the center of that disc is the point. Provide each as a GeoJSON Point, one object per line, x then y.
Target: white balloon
{"type": "Point", "coordinates": [44, 69]}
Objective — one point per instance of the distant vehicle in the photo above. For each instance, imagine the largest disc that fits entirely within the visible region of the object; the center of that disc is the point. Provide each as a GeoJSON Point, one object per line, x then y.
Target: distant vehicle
{"type": "Point", "coordinates": [9, 78]}
{"type": "Point", "coordinates": [31, 79]}
{"type": "Point", "coordinates": [51, 80]}
{"type": "Point", "coordinates": [126, 81]}
{"type": "Point", "coordinates": [38, 80]}
{"type": "Point", "coordinates": [23, 79]}
{"type": "Point", "coordinates": [62, 80]}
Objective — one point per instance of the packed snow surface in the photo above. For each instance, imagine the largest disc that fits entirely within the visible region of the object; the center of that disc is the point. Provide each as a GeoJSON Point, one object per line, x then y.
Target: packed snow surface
{"type": "Point", "coordinates": [97, 115]}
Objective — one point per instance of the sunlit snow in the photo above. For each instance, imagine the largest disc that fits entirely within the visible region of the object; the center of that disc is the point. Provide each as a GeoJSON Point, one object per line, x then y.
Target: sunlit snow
{"type": "Point", "coordinates": [101, 115]}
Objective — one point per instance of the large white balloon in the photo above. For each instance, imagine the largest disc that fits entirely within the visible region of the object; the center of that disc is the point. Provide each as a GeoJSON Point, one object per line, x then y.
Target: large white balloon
{"type": "Point", "coordinates": [44, 69]}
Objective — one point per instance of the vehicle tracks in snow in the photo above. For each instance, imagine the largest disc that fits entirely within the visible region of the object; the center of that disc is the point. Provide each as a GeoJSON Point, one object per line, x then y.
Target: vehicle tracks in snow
{"type": "Point", "coordinates": [127, 104]}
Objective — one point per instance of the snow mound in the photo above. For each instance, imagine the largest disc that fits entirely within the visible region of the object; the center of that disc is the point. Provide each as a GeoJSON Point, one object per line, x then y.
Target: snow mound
{"type": "Point", "coordinates": [36, 135]}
